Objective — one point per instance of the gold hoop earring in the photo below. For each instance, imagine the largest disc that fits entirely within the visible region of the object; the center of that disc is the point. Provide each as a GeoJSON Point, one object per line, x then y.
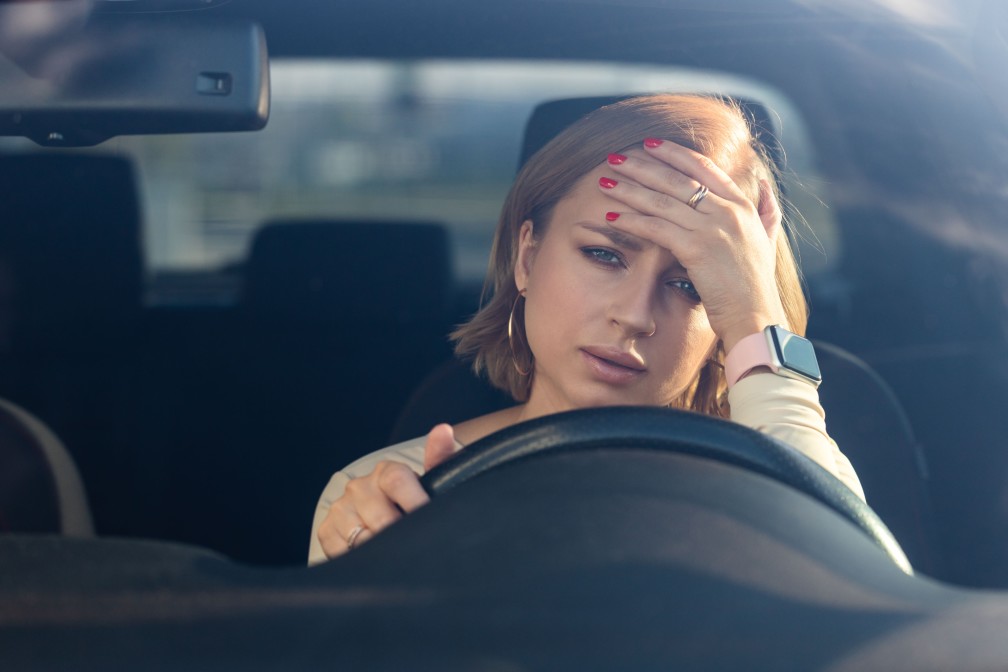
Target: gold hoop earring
{"type": "Point", "coordinates": [511, 330]}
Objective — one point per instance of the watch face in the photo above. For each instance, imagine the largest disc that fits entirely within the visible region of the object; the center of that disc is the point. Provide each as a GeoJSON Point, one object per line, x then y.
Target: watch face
{"type": "Point", "coordinates": [796, 353]}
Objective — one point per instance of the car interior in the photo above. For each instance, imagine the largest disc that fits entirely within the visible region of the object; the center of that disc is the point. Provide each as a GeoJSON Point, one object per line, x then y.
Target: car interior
{"type": "Point", "coordinates": [205, 396]}
{"type": "Point", "coordinates": [203, 315]}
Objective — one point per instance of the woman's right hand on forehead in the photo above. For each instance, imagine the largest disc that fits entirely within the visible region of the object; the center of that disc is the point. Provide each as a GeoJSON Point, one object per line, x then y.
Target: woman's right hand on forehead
{"type": "Point", "coordinates": [726, 242]}
{"type": "Point", "coordinates": [371, 503]}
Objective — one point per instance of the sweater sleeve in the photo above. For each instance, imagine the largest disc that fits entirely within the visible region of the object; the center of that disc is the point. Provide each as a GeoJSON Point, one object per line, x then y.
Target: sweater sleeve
{"type": "Point", "coordinates": [410, 453]}
{"type": "Point", "coordinates": [789, 410]}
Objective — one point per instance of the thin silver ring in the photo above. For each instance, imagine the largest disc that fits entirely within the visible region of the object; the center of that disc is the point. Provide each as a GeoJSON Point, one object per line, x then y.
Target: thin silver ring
{"type": "Point", "coordinates": [698, 195]}
{"type": "Point", "coordinates": [352, 537]}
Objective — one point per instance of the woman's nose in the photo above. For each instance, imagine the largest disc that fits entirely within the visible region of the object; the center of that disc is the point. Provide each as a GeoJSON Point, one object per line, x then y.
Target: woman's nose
{"type": "Point", "coordinates": [633, 309]}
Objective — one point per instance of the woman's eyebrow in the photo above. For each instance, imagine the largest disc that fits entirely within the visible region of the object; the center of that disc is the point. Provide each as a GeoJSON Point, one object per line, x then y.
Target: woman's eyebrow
{"type": "Point", "coordinates": [617, 237]}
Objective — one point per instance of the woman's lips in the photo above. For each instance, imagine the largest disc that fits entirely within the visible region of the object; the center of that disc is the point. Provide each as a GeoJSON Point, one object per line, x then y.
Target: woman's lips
{"type": "Point", "coordinates": [613, 367]}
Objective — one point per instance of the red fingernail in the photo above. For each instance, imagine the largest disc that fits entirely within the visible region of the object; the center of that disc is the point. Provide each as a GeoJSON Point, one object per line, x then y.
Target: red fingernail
{"type": "Point", "coordinates": [616, 159]}
{"type": "Point", "coordinates": [653, 142]}
{"type": "Point", "coordinates": [612, 216]}
{"type": "Point", "coordinates": [607, 182]}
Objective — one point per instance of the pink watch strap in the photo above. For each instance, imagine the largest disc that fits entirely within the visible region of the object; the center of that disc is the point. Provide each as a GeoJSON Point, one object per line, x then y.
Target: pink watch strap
{"type": "Point", "coordinates": [750, 352]}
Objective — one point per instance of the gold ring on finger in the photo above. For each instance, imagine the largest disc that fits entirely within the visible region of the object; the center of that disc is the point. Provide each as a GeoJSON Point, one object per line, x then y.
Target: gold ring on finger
{"type": "Point", "coordinates": [698, 195]}
{"type": "Point", "coordinates": [352, 537]}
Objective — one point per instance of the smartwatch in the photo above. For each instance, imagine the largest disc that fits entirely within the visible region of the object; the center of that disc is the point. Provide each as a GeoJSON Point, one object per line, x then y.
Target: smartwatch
{"type": "Point", "coordinates": [785, 353]}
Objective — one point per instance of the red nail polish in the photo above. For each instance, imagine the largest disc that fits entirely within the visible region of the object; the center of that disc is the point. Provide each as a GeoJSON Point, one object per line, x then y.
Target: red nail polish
{"type": "Point", "coordinates": [653, 142]}
{"type": "Point", "coordinates": [616, 159]}
{"type": "Point", "coordinates": [611, 216]}
{"type": "Point", "coordinates": [607, 182]}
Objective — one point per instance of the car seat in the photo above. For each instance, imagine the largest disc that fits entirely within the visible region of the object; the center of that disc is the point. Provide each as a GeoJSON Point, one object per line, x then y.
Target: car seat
{"type": "Point", "coordinates": [40, 488]}
{"type": "Point", "coordinates": [343, 319]}
{"type": "Point", "coordinates": [346, 314]}
{"type": "Point", "coordinates": [71, 274]}
{"type": "Point", "coordinates": [337, 322]}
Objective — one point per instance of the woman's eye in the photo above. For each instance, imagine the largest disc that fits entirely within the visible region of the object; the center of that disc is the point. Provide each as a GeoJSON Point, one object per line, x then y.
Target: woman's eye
{"type": "Point", "coordinates": [686, 287]}
{"type": "Point", "coordinates": [602, 256]}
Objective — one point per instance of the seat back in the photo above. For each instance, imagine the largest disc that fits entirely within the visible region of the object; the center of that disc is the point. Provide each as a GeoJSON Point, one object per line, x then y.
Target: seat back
{"type": "Point", "coordinates": [71, 283]}
{"type": "Point", "coordinates": [388, 275]}
{"type": "Point", "coordinates": [338, 321]}
{"type": "Point", "coordinates": [342, 319]}
{"type": "Point", "coordinates": [346, 318]}
{"type": "Point", "coordinates": [40, 488]}
{"type": "Point", "coordinates": [870, 425]}
{"type": "Point", "coordinates": [70, 246]}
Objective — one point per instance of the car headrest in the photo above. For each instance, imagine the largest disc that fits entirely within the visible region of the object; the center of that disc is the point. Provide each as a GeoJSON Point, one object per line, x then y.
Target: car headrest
{"type": "Point", "coordinates": [553, 116]}
{"type": "Point", "coordinates": [70, 251]}
{"type": "Point", "coordinates": [387, 274]}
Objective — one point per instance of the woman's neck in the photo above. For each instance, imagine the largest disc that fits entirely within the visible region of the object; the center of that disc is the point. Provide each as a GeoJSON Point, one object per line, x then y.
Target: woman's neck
{"type": "Point", "coordinates": [476, 428]}
{"type": "Point", "coordinates": [539, 404]}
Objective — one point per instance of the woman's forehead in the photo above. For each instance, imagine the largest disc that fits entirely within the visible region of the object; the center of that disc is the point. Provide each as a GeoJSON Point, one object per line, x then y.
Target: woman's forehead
{"type": "Point", "coordinates": [585, 208]}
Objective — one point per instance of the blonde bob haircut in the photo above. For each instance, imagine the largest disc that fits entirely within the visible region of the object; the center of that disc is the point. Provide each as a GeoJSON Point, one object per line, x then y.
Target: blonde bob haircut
{"type": "Point", "coordinates": [714, 127]}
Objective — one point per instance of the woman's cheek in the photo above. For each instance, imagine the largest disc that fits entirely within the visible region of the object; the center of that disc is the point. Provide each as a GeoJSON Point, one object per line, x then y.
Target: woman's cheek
{"type": "Point", "coordinates": [696, 343]}
{"type": "Point", "coordinates": [700, 326]}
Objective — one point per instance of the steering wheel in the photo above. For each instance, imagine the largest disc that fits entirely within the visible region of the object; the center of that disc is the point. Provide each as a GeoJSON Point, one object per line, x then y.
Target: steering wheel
{"type": "Point", "coordinates": [666, 430]}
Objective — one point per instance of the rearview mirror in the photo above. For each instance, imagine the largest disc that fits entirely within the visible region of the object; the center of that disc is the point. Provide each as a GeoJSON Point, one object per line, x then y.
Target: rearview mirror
{"type": "Point", "coordinates": [116, 74]}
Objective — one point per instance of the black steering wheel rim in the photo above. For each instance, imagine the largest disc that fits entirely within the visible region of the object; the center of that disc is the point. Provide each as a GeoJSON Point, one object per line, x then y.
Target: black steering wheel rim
{"type": "Point", "coordinates": [668, 430]}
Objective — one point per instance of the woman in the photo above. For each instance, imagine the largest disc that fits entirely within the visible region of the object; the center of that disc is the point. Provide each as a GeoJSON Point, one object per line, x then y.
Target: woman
{"type": "Point", "coordinates": [633, 251]}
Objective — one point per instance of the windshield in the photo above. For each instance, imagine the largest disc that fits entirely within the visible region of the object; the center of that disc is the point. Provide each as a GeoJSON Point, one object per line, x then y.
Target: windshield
{"type": "Point", "coordinates": [402, 140]}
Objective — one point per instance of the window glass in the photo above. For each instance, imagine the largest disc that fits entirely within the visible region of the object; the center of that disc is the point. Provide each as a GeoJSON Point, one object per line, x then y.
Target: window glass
{"type": "Point", "coordinates": [424, 140]}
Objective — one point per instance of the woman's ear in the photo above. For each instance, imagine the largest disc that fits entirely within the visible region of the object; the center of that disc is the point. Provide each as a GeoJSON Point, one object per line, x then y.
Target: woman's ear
{"type": "Point", "coordinates": [769, 210]}
{"type": "Point", "coordinates": [526, 255]}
